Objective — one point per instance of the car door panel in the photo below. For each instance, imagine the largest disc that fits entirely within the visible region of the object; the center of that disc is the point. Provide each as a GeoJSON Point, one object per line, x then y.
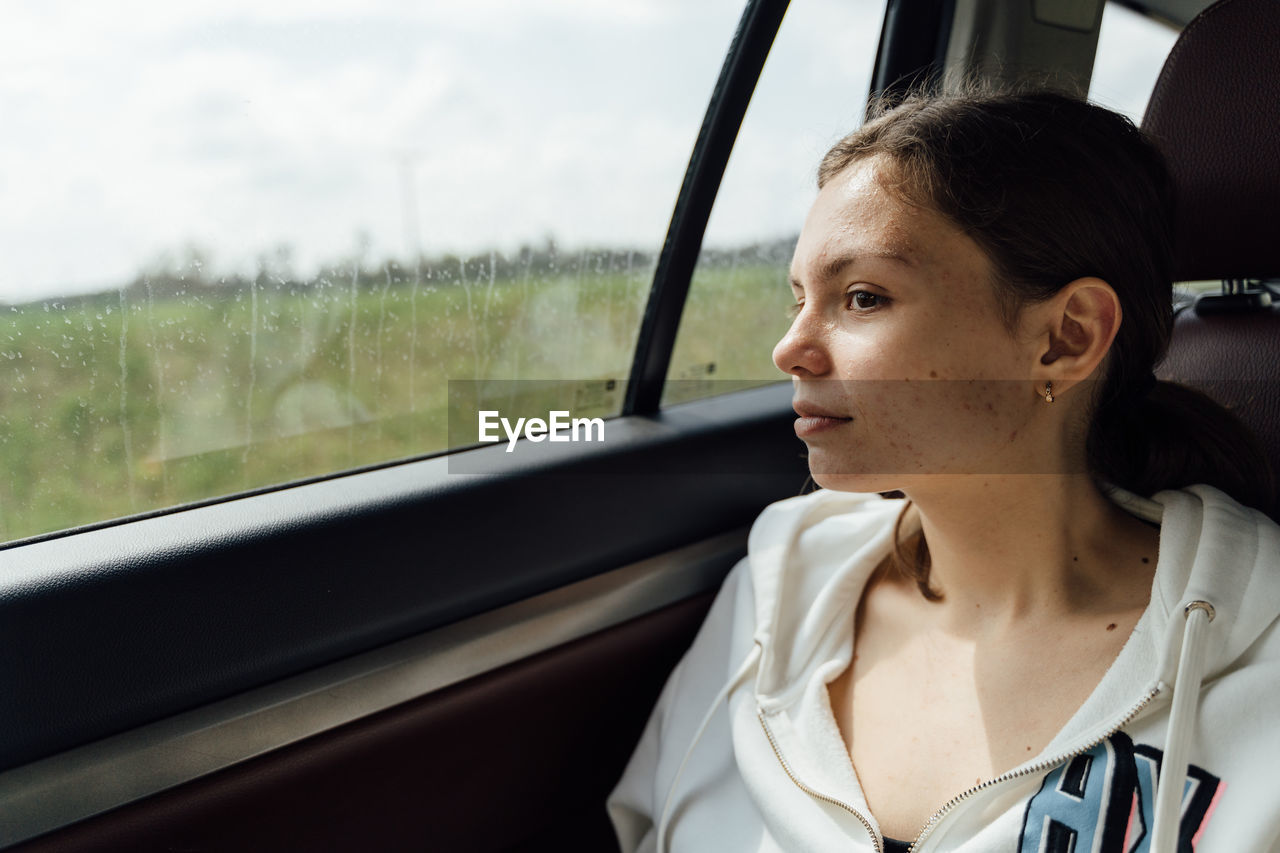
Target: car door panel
{"type": "Point", "coordinates": [517, 758]}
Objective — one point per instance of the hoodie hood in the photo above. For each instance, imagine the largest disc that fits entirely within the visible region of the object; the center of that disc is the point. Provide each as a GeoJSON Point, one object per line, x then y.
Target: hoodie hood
{"type": "Point", "coordinates": [805, 576]}
{"type": "Point", "coordinates": [1213, 550]}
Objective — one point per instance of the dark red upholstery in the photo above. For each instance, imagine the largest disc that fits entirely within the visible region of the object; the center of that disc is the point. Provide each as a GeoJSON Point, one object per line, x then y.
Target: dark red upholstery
{"type": "Point", "coordinates": [1215, 112]}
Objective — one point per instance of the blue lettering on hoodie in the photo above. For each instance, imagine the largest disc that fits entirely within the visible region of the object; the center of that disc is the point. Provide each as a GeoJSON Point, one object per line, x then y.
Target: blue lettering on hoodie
{"type": "Point", "coordinates": [1103, 801]}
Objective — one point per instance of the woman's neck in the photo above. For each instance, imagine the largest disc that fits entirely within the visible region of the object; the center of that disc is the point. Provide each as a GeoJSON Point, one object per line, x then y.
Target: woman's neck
{"type": "Point", "coordinates": [1030, 547]}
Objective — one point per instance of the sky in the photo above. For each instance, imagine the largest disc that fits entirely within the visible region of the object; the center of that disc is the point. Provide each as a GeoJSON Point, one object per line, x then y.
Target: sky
{"type": "Point", "coordinates": [323, 130]}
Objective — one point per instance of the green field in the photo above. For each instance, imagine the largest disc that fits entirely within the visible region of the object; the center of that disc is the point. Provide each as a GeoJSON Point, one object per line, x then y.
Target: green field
{"type": "Point", "coordinates": [167, 392]}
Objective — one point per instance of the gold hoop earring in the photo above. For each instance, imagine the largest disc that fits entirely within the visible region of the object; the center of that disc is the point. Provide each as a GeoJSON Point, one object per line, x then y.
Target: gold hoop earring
{"type": "Point", "coordinates": [1048, 392]}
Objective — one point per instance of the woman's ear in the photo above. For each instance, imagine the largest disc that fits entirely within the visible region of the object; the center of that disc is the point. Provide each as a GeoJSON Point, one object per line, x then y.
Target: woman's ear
{"type": "Point", "coordinates": [1077, 327]}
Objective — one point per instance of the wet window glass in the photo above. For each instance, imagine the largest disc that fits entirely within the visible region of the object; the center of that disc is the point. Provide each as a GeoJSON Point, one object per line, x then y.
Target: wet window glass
{"type": "Point", "coordinates": [813, 91]}
{"type": "Point", "coordinates": [246, 244]}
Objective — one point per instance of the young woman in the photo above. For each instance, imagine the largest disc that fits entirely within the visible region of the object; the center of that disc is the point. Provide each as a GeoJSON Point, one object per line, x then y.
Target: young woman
{"type": "Point", "coordinates": [1064, 636]}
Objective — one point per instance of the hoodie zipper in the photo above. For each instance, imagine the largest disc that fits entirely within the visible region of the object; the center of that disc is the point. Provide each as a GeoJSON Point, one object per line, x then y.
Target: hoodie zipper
{"type": "Point", "coordinates": [871, 830]}
{"type": "Point", "coordinates": [1038, 767]}
{"type": "Point", "coordinates": [931, 824]}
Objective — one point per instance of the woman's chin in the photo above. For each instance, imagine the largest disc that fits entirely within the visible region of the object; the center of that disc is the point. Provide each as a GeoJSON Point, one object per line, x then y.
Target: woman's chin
{"type": "Point", "coordinates": [844, 481]}
{"type": "Point", "coordinates": [848, 479]}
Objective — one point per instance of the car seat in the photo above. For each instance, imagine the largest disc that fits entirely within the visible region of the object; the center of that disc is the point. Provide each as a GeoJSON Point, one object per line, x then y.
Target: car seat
{"type": "Point", "coordinates": [1215, 112]}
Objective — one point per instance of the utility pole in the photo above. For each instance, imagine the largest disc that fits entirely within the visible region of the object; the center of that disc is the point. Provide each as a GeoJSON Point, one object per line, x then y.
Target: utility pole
{"type": "Point", "coordinates": [409, 204]}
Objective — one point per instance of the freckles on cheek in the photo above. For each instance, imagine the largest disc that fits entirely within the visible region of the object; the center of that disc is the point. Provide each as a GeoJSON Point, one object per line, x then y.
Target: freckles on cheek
{"type": "Point", "coordinates": [998, 413]}
{"type": "Point", "coordinates": [879, 401]}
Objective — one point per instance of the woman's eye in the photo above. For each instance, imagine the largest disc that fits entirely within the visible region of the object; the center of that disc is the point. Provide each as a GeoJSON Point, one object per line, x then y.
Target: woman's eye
{"type": "Point", "coordinates": [793, 310]}
{"type": "Point", "coordinates": [866, 300]}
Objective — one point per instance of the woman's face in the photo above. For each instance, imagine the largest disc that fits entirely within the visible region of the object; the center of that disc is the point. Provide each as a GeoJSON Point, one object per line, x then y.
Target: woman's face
{"type": "Point", "coordinates": [900, 361]}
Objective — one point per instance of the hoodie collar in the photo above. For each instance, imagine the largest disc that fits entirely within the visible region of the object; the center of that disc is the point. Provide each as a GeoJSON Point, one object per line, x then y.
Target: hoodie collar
{"type": "Point", "coordinates": [807, 580]}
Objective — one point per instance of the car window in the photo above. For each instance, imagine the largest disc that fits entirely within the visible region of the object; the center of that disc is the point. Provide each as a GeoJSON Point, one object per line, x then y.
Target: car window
{"type": "Point", "coordinates": [1131, 51]}
{"type": "Point", "coordinates": [250, 244]}
{"type": "Point", "coordinates": [812, 91]}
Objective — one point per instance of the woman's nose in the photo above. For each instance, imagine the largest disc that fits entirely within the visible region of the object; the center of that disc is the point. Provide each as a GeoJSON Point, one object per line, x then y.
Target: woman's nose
{"type": "Point", "coordinates": [802, 350]}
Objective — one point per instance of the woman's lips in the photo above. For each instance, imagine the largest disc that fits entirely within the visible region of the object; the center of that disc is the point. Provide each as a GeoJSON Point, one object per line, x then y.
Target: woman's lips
{"type": "Point", "coordinates": [813, 420]}
{"type": "Point", "coordinates": [810, 426]}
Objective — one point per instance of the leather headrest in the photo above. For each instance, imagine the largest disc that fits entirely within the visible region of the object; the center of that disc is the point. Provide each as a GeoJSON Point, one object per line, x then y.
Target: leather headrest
{"type": "Point", "coordinates": [1215, 112]}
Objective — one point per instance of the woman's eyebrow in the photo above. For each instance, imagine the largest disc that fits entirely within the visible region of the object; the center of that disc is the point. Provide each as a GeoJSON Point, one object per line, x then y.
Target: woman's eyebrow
{"type": "Point", "coordinates": [833, 267]}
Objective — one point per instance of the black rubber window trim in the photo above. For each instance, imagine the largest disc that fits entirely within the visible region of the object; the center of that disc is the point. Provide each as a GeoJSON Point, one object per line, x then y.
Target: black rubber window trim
{"type": "Point", "coordinates": [728, 105]}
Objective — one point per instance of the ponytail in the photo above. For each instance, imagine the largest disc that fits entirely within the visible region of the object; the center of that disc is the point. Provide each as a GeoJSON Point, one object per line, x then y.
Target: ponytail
{"type": "Point", "coordinates": [1174, 436]}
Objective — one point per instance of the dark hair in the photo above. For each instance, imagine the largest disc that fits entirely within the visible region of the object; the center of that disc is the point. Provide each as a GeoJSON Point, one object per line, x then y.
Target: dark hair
{"type": "Point", "coordinates": [1054, 189]}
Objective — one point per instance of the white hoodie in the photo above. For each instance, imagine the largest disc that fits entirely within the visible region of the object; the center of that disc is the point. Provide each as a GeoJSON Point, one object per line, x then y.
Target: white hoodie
{"type": "Point", "coordinates": [742, 752]}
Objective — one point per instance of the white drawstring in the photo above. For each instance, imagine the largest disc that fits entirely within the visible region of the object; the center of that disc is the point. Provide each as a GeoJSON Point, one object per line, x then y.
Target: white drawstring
{"type": "Point", "coordinates": [728, 688]}
{"type": "Point", "coordinates": [1182, 722]}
